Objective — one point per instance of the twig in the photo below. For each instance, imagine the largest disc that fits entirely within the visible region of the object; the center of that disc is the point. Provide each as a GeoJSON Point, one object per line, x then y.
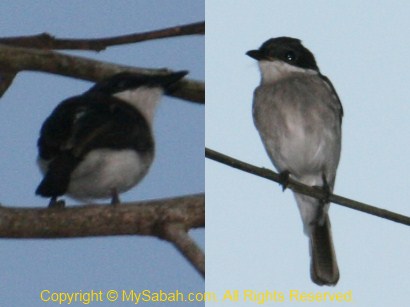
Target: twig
{"type": "Point", "coordinates": [176, 234]}
{"type": "Point", "coordinates": [47, 41]}
{"type": "Point", "coordinates": [307, 190]}
{"type": "Point", "coordinates": [16, 59]}
{"type": "Point", "coordinates": [6, 79]}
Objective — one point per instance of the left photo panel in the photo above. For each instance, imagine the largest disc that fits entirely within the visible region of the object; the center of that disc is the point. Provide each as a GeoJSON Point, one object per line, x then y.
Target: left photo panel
{"type": "Point", "coordinates": [102, 115]}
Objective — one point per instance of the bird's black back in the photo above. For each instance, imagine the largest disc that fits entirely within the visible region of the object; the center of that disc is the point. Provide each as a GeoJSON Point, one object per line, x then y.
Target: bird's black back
{"type": "Point", "coordinates": [83, 123]}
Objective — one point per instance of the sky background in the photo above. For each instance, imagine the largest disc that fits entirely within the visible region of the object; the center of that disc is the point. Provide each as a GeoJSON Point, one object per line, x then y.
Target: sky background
{"type": "Point", "coordinates": [69, 265]}
{"type": "Point", "coordinates": [254, 233]}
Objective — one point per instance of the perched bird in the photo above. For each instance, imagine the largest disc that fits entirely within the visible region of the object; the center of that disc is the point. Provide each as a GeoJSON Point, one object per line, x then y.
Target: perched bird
{"type": "Point", "coordinates": [298, 115]}
{"type": "Point", "coordinates": [100, 143]}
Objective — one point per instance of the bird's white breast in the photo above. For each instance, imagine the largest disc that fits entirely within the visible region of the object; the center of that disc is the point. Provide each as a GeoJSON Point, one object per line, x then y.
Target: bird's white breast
{"type": "Point", "coordinates": [273, 71]}
{"type": "Point", "coordinates": [144, 99]}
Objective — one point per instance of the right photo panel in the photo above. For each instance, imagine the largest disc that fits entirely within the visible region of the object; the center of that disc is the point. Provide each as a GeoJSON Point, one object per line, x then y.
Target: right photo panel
{"type": "Point", "coordinates": [307, 128]}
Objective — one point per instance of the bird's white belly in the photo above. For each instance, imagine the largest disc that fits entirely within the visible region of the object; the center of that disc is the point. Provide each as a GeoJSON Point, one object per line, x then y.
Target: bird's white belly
{"type": "Point", "coordinates": [304, 154]}
{"type": "Point", "coordinates": [103, 170]}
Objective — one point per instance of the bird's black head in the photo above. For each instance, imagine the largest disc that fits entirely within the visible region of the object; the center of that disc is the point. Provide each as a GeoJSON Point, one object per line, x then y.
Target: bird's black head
{"type": "Point", "coordinates": [127, 81]}
{"type": "Point", "coordinates": [287, 49]}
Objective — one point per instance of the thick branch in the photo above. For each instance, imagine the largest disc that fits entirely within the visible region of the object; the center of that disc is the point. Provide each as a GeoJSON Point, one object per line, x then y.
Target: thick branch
{"type": "Point", "coordinates": [307, 190]}
{"type": "Point", "coordinates": [142, 218]}
{"type": "Point", "coordinates": [15, 59]}
{"type": "Point", "coordinates": [47, 41]}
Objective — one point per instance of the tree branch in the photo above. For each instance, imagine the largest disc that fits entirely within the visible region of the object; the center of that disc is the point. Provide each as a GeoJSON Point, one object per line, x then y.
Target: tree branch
{"type": "Point", "coordinates": [6, 79]}
{"type": "Point", "coordinates": [134, 218]}
{"type": "Point", "coordinates": [47, 41]}
{"type": "Point", "coordinates": [307, 190]}
{"type": "Point", "coordinates": [168, 219]}
{"type": "Point", "coordinates": [176, 234]}
{"type": "Point", "coordinates": [15, 59]}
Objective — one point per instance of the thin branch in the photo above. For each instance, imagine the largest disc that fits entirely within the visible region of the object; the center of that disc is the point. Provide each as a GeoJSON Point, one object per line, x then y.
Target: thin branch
{"type": "Point", "coordinates": [307, 190]}
{"type": "Point", "coordinates": [47, 41]}
{"type": "Point", "coordinates": [176, 234]}
{"type": "Point", "coordinates": [15, 59]}
{"type": "Point", "coordinates": [135, 218]}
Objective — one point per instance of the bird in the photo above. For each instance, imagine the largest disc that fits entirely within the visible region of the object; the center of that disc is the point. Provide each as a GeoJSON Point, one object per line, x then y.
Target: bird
{"type": "Point", "coordinates": [100, 143]}
{"type": "Point", "coordinates": [298, 115]}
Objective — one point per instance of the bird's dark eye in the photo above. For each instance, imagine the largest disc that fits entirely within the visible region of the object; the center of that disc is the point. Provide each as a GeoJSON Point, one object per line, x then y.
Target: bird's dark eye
{"type": "Point", "coordinates": [290, 56]}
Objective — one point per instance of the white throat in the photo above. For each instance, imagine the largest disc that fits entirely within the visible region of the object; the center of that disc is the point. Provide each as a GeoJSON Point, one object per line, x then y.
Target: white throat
{"type": "Point", "coordinates": [144, 99]}
{"type": "Point", "coordinates": [273, 71]}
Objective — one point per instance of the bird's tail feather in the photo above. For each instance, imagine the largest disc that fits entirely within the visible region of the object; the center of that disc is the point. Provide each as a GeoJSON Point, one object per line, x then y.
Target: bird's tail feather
{"type": "Point", "coordinates": [324, 269]}
{"type": "Point", "coordinates": [57, 178]}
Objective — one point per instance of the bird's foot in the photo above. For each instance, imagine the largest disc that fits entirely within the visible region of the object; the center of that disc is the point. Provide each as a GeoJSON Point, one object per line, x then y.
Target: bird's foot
{"type": "Point", "coordinates": [54, 203]}
{"type": "Point", "coordinates": [115, 198]}
{"type": "Point", "coordinates": [325, 189]}
{"type": "Point", "coordinates": [284, 179]}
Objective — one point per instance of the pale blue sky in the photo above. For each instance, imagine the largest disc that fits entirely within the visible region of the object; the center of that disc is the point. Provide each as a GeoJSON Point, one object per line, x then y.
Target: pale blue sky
{"type": "Point", "coordinates": [138, 263]}
{"type": "Point", "coordinates": [254, 233]}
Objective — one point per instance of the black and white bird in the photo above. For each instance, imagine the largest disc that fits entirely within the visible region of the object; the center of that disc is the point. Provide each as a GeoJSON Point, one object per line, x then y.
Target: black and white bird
{"type": "Point", "coordinates": [298, 115]}
{"type": "Point", "coordinates": [100, 143]}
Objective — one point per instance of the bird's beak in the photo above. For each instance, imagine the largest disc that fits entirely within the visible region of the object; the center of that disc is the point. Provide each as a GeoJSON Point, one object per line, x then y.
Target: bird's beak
{"type": "Point", "coordinates": [255, 54]}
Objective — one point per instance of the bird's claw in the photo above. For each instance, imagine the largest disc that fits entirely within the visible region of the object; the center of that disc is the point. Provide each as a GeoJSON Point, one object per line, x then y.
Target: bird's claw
{"type": "Point", "coordinates": [325, 188]}
{"type": "Point", "coordinates": [54, 203]}
{"type": "Point", "coordinates": [284, 179]}
{"type": "Point", "coordinates": [115, 200]}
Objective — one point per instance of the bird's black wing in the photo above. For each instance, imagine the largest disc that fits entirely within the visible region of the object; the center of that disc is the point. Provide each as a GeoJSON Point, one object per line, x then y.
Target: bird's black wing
{"type": "Point", "coordinates": [340, 107]}
{"type": "Point", "coordinates": [57, 128]}
{"type": "Point", "coordinates": [83, 123]}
